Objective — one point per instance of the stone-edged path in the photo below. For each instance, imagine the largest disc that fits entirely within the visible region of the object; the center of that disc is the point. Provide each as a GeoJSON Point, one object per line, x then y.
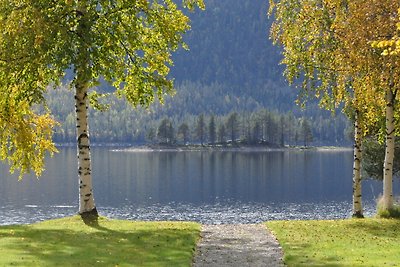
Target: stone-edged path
{"type": "Point", "coordinates": [237, 245]}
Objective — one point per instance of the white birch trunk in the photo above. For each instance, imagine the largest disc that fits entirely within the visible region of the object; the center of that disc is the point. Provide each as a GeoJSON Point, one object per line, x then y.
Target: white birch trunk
{"type": "Point", "coordinates": [387, 200]}
{"type": "Point", "coordinates": [357, 201]}
{"type": "Point", "coordinates": [86, 199]}
{"type": "Point", "coordinates": [82, 71]}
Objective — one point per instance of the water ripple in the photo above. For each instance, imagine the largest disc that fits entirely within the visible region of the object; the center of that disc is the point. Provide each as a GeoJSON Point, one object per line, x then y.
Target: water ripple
{"type": "Point", "coordinates": [236, 212]}
{"type": "Point", "coordinates": [228, 212]}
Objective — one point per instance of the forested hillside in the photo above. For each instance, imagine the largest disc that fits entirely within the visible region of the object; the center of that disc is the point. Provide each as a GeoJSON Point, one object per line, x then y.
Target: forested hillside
{"type": "Point", "coordinates": [229, 44]}
{"type": "Point", "coordinates": [230, 53]}
{"type": "Point", "coordinates": [231, 67]}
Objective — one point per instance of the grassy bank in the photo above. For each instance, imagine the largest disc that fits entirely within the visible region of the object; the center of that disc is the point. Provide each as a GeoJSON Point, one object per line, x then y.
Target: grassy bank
{"type": "Point", "coordinates": [70, 242]}
{"type": "Point", "coordinates": [361, 242]}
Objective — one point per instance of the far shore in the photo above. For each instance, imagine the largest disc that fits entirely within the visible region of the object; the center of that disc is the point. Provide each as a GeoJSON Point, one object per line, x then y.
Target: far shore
{"type": "Point", "coordinates": [230, 148]}
{"type": "Point", "coordinates": [127, 147]}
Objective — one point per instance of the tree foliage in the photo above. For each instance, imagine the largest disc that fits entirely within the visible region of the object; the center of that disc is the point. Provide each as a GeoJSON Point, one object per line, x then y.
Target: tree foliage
{"type": "Point", "coordinates": [25, 136]}
{"type": "Point", "coordinates": [126, 43]}
{"type": "Point", "coordinates": [390, 44]}
{"type": "Point", "coordinates": [327, 47]}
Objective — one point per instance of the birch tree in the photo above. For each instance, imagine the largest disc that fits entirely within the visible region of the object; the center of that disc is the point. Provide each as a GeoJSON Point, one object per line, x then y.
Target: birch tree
{"type": "Point", "coordinates": [326, 47]}
{"type": "Point", "coordinates": [310, 46]}
{"type": "Point", "coordinates": [126, 43]}
{"type": "Point", "coordinates": [389, 45]}
{"type": "Point", "coordinates": [371, 20]}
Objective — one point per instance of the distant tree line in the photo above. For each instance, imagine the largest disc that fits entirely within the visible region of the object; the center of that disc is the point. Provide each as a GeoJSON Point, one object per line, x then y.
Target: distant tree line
{"type": "Point", "coordinates": [257, 128]}
{"type": "Point", "coordinates": [165, 125]}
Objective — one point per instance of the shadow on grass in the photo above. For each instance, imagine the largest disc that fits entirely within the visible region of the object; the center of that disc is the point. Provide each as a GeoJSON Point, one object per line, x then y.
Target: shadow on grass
{"type": "Point", "coordinates": [96, 245]}
{"type": "Point", "coordinates": [298, 257]}
{"type": "Point", "coordinates": [355, 242]}
{"type": "Point", "coordinates": [92, 220]}
{"type": "Point", "coordinates": [294, 260]}
{"type": "Point", "coordinates": [387, 228]}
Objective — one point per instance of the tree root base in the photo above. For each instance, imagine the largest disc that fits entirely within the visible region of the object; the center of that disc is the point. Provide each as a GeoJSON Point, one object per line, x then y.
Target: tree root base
{"type": "Point", "coordinates": [90, 217]}
{"type": "Point", "coordinates": [358, 214]}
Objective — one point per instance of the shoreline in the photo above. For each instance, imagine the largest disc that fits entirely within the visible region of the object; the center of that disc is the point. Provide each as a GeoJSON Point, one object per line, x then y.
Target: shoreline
{"type": "Point", "coordinates": [238, 148]}
{"type": "Point", "coordinates": [208, 147]}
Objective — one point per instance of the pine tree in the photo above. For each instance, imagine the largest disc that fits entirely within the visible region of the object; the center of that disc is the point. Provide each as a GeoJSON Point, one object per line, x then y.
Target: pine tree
{"type": "Point", "coordinates": [212, 131]}
{"type": "Point", "coordinates": [184, 132]}
{"type": "Point", "coordinates": [221, 133]}
{"type": "Point", "coordinates": [306, 132]}
{"type": "Point", "coordinates": [200, 130]}
{"type": "Point", "coordinates": [232, 126]}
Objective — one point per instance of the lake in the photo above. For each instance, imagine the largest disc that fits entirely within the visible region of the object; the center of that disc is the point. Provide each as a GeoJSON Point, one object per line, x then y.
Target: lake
{"type": "Point", "coordinates": [244, 186]}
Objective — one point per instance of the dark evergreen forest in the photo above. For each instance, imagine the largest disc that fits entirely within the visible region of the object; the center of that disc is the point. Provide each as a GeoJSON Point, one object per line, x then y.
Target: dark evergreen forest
{"type": "Point", "coordinates": [231, 68]}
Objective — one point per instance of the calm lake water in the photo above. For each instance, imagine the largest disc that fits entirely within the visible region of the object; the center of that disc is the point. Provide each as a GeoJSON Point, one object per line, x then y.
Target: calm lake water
{"type": "Point", "coordinates": [205, 186]}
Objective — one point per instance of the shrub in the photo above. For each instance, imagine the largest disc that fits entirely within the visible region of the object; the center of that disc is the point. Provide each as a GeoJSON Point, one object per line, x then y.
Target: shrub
{"type": "Point", "coordinates": [394, 212]}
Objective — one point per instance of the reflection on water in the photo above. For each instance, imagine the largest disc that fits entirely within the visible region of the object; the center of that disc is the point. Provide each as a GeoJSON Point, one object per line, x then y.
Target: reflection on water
{"type": "Point", "coordinates": [204, 186]}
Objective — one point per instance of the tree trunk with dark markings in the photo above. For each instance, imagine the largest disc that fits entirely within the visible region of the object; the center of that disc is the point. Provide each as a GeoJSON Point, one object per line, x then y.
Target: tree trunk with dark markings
{"type": "Point", "coordinates": [87, 205]}
{"type": "Point", "coordinates": [357, 199]}
{"type": "Point", "coordinates": [387, 202]}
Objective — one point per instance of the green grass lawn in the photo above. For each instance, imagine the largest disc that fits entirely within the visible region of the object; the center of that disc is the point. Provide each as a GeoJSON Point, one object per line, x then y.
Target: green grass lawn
{"type": "Point", "coordinates": [353, 242]}
{"type": "Point", "coordinates": [70, 242]}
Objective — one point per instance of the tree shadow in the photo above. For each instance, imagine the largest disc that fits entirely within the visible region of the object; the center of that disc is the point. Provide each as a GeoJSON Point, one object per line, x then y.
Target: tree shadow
{"type": "Point", "coordinates": [95, 243]}
{"type": "Point", "coordinates": [390, 228]}
{"type": "Point", "coordinates": [91, 219]}
{"type": "Point", "coordinates": [351, 236]}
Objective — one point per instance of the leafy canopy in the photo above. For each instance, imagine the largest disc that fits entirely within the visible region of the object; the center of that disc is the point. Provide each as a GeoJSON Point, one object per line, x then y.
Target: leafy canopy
{"type": "Point", "coordinates": [391, 44]}
{"type": "Point", "coordinates": [327, 46]}
{"type": "Point", "coordinates": [128, 44]}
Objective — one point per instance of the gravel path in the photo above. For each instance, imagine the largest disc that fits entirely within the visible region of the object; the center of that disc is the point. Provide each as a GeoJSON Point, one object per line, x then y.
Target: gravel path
{"type": "Point", "coordinates": [237, 245]}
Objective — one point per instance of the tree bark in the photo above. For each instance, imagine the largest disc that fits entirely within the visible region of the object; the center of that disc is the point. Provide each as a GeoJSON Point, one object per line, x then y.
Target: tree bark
{"type": "Point", "coordinates": [357, 200]}
{"type": "Point", "coordinates": [387, 202]}
{"type": "Point", "coordinates": [83, 75]}
{"type": "Point", "coordinates": [86, 199]}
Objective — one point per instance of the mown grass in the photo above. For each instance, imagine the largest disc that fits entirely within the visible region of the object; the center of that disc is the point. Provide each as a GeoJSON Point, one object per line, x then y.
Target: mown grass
{"type": "Point", "coordinates": [353, 242]}
{"type": "Point", "coordinates": [71, 242]}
